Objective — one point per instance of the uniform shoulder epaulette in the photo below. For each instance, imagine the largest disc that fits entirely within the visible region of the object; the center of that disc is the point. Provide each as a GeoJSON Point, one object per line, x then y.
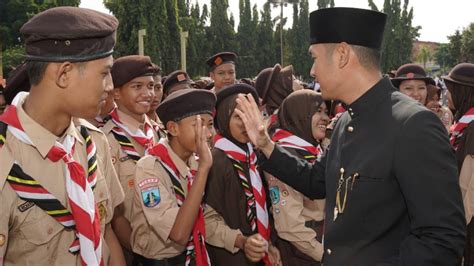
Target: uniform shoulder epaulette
{"type": "Point", "coordinates": [147, 162]}
{"type": "Point", "coordinates": [107, 127]}
{"type": "Point", "coordinates": [85, 123]}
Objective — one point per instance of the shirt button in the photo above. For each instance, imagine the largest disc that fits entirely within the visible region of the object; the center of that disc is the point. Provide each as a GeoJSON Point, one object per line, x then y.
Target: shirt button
{"type": "Point", "coordinates": [328, 251]}
{"type": "Point", "coordinates": [2, 240]}
{"type": "Point", "coordinates": [50, 231]}
{"type": "Point", "coordinates": [350, 129]}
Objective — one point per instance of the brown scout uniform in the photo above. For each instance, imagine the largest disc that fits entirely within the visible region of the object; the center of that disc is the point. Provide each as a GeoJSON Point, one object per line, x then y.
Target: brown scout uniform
{"type": "Point", "coordinates": [28, 235]}
{"type": "Point", "coordinates": [123, 164]}
{"type": "Point", "coordinates": [151, 226]}
{"type": "Point", "coordinates": [225, 195]}
{"type": "Point", "coordinates": [298, 220]}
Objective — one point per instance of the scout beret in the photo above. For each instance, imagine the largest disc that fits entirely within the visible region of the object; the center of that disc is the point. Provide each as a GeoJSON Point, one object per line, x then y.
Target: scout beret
{"type": "Point", "coordinates": [69, 34]}
{"type": "Point", "coordinates": [17, 81]}
{"type": "Point", "coordinates": [185, 103]}
{"type": "Point", "coordinates": [175, 78]}
{"type": "Point", "coordinates": [236, 89]}
{"type": "Point", "coordinates": [411, 72]}
{"type": "Point", "coordinates": [221, 58]}
{"type": "Point", "coordinates": [129, 67]}
{"type": "Point", "coordinates": [462, 74]}
{"type": "Point", "coordinates": [351, 25]}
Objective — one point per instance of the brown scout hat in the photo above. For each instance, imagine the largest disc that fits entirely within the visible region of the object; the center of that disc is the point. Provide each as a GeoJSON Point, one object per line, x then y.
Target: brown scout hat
{"type": "Point", "coordinates": [222, 118]}
{"type": "Point", "coordinates": [462, 74]}
{"type": "Point", "coordinates": [221, 58]}
{"type": "Point", "coordinates": [176, 78]}
{"type": "Point", "coordinates": [69, 34]}
{"type": "Point", "coordinates": [17, 81]}
{"type": "Point", "coordinates": [411, 72]}
{"type": "Point", "coordinates": [275, 84]}
{"type": "Point", "coordinates": [129, 67]}
{"type": "Point", "coordinates": [185, 103]}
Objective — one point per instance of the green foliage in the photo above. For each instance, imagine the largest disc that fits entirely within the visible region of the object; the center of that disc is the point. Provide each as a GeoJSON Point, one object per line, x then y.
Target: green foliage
{"type": "Point", "coordinates": [467, 44]}
{"type": "Point", "coordinates": [246, 40]}
{"type": "Point", "coordinates": [424, 55]}
{"type": "Point", "coordinates": [443, 57]}
{"type": "Point", "coordinates": [454, 46]}
{"type": "Point", "coordinates": [12, 57]}
{"type": "Point", "coordinates": [299, 41]}
{"type": "Point", "coordinates": [399, 33]}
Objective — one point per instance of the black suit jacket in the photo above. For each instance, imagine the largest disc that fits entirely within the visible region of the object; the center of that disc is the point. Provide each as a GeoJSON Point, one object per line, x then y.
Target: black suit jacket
{"type": "Point", "coordinates": [404, 207]}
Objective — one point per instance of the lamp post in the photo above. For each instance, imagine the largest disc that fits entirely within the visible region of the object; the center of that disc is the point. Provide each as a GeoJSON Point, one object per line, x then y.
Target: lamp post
{"type": "Point", "coordinates": [141, 46]}
{"type": "Point", "coordinates": [183, 37]}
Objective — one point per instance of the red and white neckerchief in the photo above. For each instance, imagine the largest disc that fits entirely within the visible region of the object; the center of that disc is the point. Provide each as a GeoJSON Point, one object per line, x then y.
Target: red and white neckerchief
{"type": "Point", "coordinates": [145, 139]}
{"type": "Point", "coordinates": [234, 152]}
{"type": "Point", "coordinates": [78, 187]}
{"type": "Point", "coordinates": [458, 128]}
{"type": "Point", "coordinates": [196, 244]}
{"type": "Point", "coordinates": [289, 140]}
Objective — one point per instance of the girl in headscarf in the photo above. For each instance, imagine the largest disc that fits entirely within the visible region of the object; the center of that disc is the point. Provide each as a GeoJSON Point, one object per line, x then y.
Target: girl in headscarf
{"type": "Point", "coordinates": [236, 191]}
{"type": "Point", "coordinates": [300, 128]}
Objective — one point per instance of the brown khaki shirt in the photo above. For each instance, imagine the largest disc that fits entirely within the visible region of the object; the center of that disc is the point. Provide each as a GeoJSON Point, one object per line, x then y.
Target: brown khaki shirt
{"type": "Point", "coordinates": [291, 210]}
{"type": "Point", "coordinates": [152, 221]}
{"type": "Point", "coordinates": [28, 235]}
{"type": "Point", "coordinates": [124, 165]}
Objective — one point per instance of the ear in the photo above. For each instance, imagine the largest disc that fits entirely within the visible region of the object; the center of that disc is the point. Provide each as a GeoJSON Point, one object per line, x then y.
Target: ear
{"type": "Point", "coordinates": [343, 54]}
{"type": "Point", "coordinates": [64, 73]}
{"type": "Point", "coordinates": [116, 93]}
{"type": "Point", "coordinates": [211, 74]}
{"type": "Point", "coordinates": [172, 128]}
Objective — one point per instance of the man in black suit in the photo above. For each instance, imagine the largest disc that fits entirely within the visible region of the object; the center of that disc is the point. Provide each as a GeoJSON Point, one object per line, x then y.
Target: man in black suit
{"type": "Point", "coordinates": [390, 176]}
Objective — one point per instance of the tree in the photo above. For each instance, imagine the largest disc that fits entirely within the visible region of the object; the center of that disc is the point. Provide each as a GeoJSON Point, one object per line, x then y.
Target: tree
{"type": "Point", "coordinates": [246, 40]}
{"type": "Point", "coordinates": [299, 40]}
{"type": "Point", "coordinates": [172, 58]}
{"type": "Point", "coordinates": [454, 46]}
{"type": "Point", "coordinates": [443, 57]}
{"type": "Point", "coordinates": [424, 55]}
{"type": "Point", "coordinates": [13, 14]}
{"type": "Point", "coordinates": [399, 34]}
{"type": "Point", "coordinates": [325, 3]}
{"type": "Point", "coordinates": [221, 33]}
{"type": "Point", "coordinates": [266, 45]}
{"type": "Point", "coordinates": [467, 44]}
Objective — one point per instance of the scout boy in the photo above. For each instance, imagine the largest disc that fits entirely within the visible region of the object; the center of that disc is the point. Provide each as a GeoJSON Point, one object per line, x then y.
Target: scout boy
{"type": "Point", "coordinates": [129, 130]}
{"type": "Point", "coordinates": [167, 217]}
{"type": "Point", "coordinates": [58, 190]}
{"type": "Point", "coordinates": [222, 69]}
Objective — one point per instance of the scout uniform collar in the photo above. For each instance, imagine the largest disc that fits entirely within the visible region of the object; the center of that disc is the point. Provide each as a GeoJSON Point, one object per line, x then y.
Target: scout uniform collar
{"type": "Point", "coordinates": [369, 99]}
{"type": "Point", "coordinates": [182, 166]}
{"type": "Point", "coordinates": [41, 137]}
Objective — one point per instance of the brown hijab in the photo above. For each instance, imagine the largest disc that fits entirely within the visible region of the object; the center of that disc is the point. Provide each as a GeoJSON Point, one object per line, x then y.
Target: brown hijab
{"type": "Point", "coordinates": [296, 113]}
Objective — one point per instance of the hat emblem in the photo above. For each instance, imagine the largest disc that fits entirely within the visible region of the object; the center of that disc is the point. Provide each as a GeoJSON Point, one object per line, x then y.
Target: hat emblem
{"type": "Point", "coordinates": [218, 61]}
{"type": "Point", "coordinates": [181, 77]}
{"type": "Point", "coordinates": [410, 75]}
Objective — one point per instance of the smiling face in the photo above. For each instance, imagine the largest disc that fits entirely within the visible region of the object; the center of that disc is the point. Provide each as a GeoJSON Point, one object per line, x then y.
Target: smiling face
{"type": "Point", "coordinates": [415, 89]}
{"type": "Point", "coordinates": [319, 122]}
{"type": "Point", "coordinates": [324, 71]}
{"type": "Point", "coordinates": [135, 97]}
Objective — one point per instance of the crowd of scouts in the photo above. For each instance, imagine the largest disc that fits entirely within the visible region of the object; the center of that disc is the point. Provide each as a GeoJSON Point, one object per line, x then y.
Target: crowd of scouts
{"type": "Point", "coordinates": [110, 162]}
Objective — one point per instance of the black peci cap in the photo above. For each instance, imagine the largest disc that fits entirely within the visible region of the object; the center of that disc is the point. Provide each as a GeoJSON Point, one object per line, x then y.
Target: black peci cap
{"type": "Point", "coordinates": [351, 25]}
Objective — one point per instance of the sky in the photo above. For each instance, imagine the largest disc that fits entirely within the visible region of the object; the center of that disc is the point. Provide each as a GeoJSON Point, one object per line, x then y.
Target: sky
{"type": "Point", "coordinates": [438, 18]}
